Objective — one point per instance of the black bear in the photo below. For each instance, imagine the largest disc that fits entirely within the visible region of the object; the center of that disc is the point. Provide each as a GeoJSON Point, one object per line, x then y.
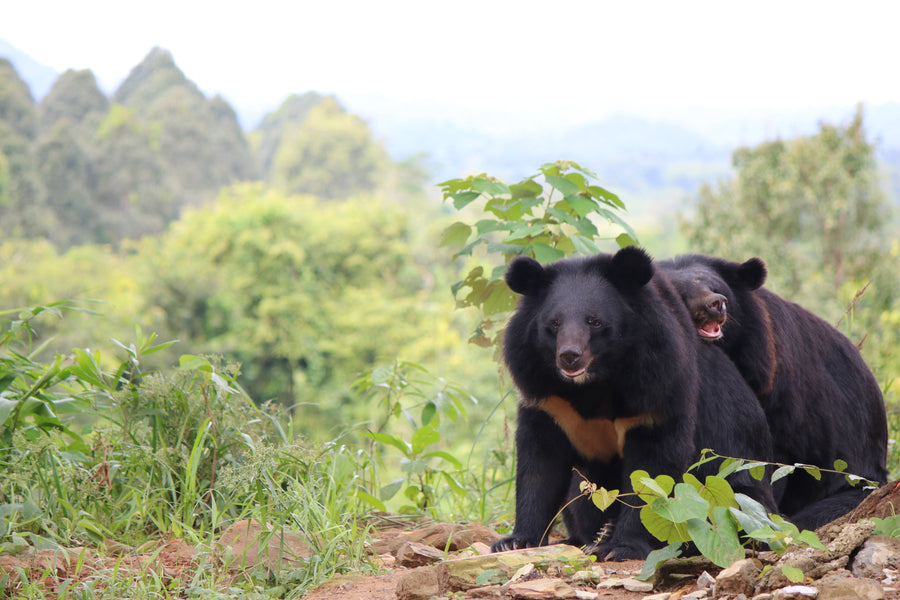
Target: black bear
{"type": "Point", "coordinates": [612, 378]}
{"type": "Point", "coordinates": [821, 400]}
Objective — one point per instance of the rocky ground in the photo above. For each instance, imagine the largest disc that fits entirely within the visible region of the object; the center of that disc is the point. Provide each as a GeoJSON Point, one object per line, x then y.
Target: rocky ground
{"type": "Point", "coordinates": [453, 561]}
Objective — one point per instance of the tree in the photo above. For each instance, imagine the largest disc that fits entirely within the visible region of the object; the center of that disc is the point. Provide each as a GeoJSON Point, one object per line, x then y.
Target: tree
{"type": "Point", "coordinates": [75, 97]}
{"type": "Point", "coordinates": [305, 294]}
{"type": "Point", "coordinates": [811, 206]}
{"type": "Point", "coordinates": [330, 155]}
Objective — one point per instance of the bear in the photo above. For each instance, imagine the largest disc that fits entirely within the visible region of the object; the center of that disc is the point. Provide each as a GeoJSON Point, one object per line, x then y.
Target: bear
{"type": "Point", "coordinates": [612, 379]}
{"type": "Point", "coordinates": [821, 400]}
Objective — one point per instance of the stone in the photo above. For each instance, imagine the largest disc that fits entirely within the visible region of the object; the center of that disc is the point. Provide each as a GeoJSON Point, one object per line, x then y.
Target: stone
{"type": "Point", "coordinates": [418, 584]}
{"type": "Point", "coordinates": [466, 573]}
{"type": "Point", "coordinates": [414, 554]}
{"type": "Point", "coordinates": [636, 585]}
{"type": "Point", "coordinates": [739, 578]}
{"type": "Point", "coordinates": [796, 592]}
{"type": "Point", "coordinates": [542, 589]}
{"type": "Point", "coordinates": [876, 554]}
{"type": "Point", "coordinates": [847, 587]}
{"type": "Point", "coordinates": [239, 547]}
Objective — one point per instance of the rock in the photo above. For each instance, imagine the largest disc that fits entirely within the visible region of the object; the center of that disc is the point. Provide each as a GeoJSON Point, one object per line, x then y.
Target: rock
{"type": "Point", "coordinates": [847, 587]}
{"type": "Point", "coordinates": [414, 554]}
{"type": "Point", "coordinates": [636, 585]}
{"type": "Point", "coordinates": [443, 536]}
{"type": "Point", "coordinates": [675, 572]}
{"type": "Point", "coordinates": [659, 596]}
{"type": "Point", "coordinates": [875, 555]}
{"type": "Point", "coordinates": [419, 584]}
{"type": "Point", "coordinates": [466, 573]}
{"type": "Point", "coordinates": [739, 578]}
{"type": "Point", "coordinates": [850, 538]}
{"type": "Point", "coordinates": [705, 581]}
{"type": "Point", "coordinates": [524, 572]}
{"type": "Point", "coordinates": [239, 547]}
{"type": "Point", "coordinates": [542, 589]}
{"type": "Point", "coordinates": [796, 592]}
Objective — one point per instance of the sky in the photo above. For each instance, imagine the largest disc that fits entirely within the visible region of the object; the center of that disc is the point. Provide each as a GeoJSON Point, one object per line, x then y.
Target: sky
{"type": "Point", "coordinates": [563, 57]}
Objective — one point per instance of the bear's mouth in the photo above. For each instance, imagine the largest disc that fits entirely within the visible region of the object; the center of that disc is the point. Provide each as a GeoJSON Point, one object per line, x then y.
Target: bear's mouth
{"type": "Point", "coordinates": [710, 330]}
{"type": "Point", "coordinates": [573, 374]}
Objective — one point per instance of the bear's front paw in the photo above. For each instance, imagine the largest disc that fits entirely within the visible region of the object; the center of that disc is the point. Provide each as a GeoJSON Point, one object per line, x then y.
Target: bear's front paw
{"type": "Point", "coordinates": [611, 551]}
{"type": "Point", "coordinates": [512, 542]}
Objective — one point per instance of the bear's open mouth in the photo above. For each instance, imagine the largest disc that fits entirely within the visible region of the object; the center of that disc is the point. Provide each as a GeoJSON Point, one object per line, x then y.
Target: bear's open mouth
{"type": "Point", "coordinates": [575, 373]}
{"type": "Point", "coordinates": [710, 330]}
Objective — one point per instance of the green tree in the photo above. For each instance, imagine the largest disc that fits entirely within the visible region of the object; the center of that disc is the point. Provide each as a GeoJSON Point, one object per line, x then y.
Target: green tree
{"type": "Point", "coordinates": [16, 103]}
{"type": "Point", "coordinates": [267, 137]}
{"type": "Point", "coordinates": [76, 97]}
{"type": "Point", "coordinates": [330, 155]}
{"type": "Point", "coordinates": [64, 165]}
{"type": "Point", "coordinates": [812, 207]}
{"type": "Point", "coordinates": [304, 294]}
{"type": "Point", "coordinates": [133, 192]}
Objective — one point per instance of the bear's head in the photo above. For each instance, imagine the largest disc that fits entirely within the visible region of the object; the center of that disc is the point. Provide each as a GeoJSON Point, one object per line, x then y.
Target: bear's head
{"type": "Point", "coordinates": [574, 310]}
{"type": "Point", "coordinates": [709, 286]}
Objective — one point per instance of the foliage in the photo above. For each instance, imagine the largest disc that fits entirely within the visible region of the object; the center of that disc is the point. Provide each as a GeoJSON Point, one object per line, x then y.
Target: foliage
{"type": "Point", "coordinates": [547, 216]}
{"type": "Point", "coordinates": [817, 200]}
{"type": "Point", "coordinates": [331, 154]}
{"type": "Point", "coordinates": [91, 454]}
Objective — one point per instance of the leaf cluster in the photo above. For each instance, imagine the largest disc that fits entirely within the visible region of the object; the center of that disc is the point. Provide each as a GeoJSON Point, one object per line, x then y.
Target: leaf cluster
{"type": "Point", "coordinates": [552, 214]}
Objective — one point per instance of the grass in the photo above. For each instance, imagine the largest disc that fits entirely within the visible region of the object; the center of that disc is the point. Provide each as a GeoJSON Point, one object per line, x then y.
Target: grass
{"type": "Point", "coordinates": [113, 462]}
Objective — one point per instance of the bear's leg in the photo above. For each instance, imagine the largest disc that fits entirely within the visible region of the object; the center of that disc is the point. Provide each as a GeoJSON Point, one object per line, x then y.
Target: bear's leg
{"type": "Point", "coordinates": [544, 460]}
{"type": "Point", "coordinates": [584, 521]}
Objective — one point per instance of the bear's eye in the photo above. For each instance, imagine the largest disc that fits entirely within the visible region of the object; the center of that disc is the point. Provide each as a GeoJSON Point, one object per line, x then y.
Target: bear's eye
{"type": "Point", "coordinates": [554, 324]}
{"type": "Point", "coordinates": [594, 322]}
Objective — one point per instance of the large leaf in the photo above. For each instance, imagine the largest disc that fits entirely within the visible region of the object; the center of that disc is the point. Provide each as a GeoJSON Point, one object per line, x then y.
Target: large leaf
{"type": "Point", "coordinates": [719, 543]}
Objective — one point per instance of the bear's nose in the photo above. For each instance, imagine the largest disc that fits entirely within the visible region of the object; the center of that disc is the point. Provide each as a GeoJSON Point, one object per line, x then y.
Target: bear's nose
{"type": "Point", "coordinates": [569, 357]}
{"type": "Point", "coordinates": [716, 303]}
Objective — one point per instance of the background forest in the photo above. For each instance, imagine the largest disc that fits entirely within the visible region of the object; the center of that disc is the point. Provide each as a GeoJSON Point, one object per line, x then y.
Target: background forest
{"type": "Point", "coordinates": [302, 264]}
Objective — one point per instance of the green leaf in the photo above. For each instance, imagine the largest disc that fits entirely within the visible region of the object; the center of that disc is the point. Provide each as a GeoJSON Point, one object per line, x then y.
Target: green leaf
{"type": "Point", "coordinates": [719, 543]}
{"type": "Point", "coordinates": [544, 253]}
{"type": "Point", "coordinates": [564, 185]}
{"type": "Point", "coordinates": [603, 498]}
{"type": "Point", "coordinates": [424, 436]}
{"type": "Point", "coordinates": [793, 574]}
{"type": "Point", "coordinates": [718, 492]}
{"type": "Point", "coordinates": [752, 515]}
{"type": "Point", "coordinates": [462, 199]}
{"type": "Point", "coordinates": [390, 440]}
{"type": "Point", "coordinates": [390, 490]}
{"type": "Point", "coordinates": [840, 465]}
{"type": "Point", "coordinates": [649, 488]}
{"type": "Point", "coordinates": [686, 504]}
{"type": "Point", "coordinates": [662, 528]}
{"type": "Point", "coordinates": [371, 500]}
{"type": "Point", "coordinates": [782, 471]}
{"type": "Point", "coordinates": [656, 557]}
{"type": "Point", "coordinates": [492, 187]}
{"type": "Point", "coordinates": [456, 234]}
{"type": "Point", "coordinates": [624, 240]}
{"type": "Point", "coordinates": [447, 457]}
{"type": "Point", "coordinates": [189, 362]}
{"type": "Point", "coordinates": [428, 413]}
{"type": "Point", "coordinates": [581, 205]}
{"type": "Point", "coordinates": [584, 246]}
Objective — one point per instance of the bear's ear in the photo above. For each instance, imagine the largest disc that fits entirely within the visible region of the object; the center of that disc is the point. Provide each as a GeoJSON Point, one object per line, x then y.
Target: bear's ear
{"type": "Point", "coordinates": [752, 273]}
{"type": "Point", "coordinates": [525, 275]}
{"type": "Point", "coordinates": [631, 269]}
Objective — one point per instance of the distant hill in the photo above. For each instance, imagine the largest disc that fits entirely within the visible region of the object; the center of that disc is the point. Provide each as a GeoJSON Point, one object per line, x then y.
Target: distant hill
{"type": "Point", "coordinates": [39, 77]}
{"type": "Point", "coordinates": [656, 160]}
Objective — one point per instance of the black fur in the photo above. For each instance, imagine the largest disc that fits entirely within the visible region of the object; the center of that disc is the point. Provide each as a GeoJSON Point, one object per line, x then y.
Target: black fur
{"type": "Point", "coordinates": [821, 400]}
{"type": "Point", "coordinates": [602, 340]}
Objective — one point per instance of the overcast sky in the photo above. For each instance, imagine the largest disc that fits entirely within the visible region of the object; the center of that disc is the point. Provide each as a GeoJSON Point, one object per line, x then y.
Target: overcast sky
{"type": "Point", "coordinates": [528, 56]}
